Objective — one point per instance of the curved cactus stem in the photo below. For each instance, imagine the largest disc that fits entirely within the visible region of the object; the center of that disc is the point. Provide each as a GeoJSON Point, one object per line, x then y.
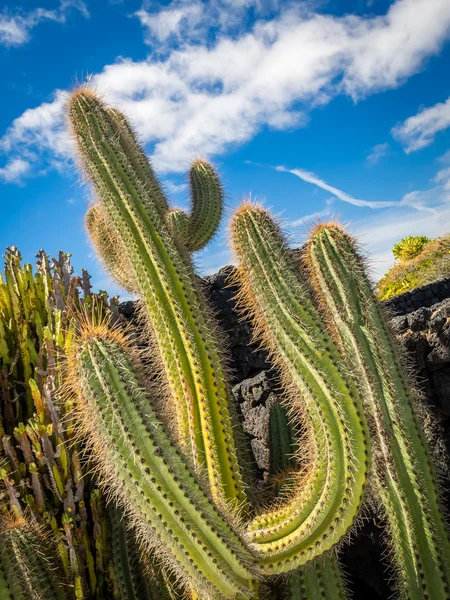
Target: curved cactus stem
{"type": "Point", "coordinates": [321, 578]}
{"type": "Point", "coordinates": [26, 569]}
{"type": "Point", "coordinates": [328, 497]}
{"type": "Point", "coordinates": [206, 204]}
{"type": "Point", "coordinates": [109, 247]}
{"type": "Point", "coordinates": [196, 229]}
{"type": "Point", "coordinates": [136, 460]}
{"type": "Point", "coordinates": [405, 477]}
{"type": "Point", "coordinates": [182, 328]}
{"type": "Point", "coordinates": [318, 580]}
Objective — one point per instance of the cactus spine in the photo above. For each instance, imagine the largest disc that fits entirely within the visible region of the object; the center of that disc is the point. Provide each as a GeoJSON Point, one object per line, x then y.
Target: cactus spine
{"type": "Point", "coordinates": [405, 480]}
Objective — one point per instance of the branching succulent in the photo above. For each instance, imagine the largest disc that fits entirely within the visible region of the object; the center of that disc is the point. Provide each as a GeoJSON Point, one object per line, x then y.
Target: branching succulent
{"type": "Point", "coordinates": [157, 419]}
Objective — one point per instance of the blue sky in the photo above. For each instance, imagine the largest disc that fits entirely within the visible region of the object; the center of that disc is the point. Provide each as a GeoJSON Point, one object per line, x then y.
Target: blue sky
{"type": "Point", "coordinates": [316, 108]}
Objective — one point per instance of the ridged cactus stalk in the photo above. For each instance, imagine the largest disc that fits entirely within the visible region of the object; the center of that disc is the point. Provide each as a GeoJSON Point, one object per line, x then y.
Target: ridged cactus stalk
{"type": "Point", "coordinates": [404, 479]}
{"type": "Point", "coordinates": [189, 357]}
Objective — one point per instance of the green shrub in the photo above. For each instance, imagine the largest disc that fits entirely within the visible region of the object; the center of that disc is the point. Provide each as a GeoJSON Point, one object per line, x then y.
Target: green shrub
{"type": "Point", "coordinates": [431, 264]}
{"type": "Point", "coordinates": [410, 247]}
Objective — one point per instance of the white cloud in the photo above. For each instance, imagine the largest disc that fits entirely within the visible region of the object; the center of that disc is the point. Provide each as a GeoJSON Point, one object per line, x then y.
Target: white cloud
{"type": "Point", "coordinates": [15, 28]}
{"type": "Point", "coordinates": [14, 170]}
{"type": "Point", "coordinates": [208, 97]}
{"type": "Point", "coordinates": [181, 22]}
{"type": "Point", "coordinates": [377, 152]}
{"type": "Point", "coordinates": [420, 130]}
{"type": "Point", "coordinates": [421, 200]}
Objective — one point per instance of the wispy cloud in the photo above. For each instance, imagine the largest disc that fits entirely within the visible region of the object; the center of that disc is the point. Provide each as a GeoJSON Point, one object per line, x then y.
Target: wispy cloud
{"type": "Point", "coordinates": [16, 27]}
{"type": "Point", "coordinates": [420, 130]}
{"type": "Point", "coordinates": [421, 200]}
{"type": "Point", "coordinates": [377, 152]}
{"type": "Point", "coordinates": [315, 180]}
{"type": "Point", "coordinates": [203, 97]}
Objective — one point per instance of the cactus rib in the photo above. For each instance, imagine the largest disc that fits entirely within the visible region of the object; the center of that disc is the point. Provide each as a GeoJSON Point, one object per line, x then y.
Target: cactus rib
{"type": "Point", "coordinates": [325, 507]}
{"type": "Point", "coordinates": [405, 480]}
{"type": "Point", "coordinates": [189, 356]}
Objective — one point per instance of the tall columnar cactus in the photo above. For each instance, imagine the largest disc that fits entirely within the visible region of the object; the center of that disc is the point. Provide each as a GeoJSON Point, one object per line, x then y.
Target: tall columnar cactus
{"type": "Point", "coordinates": [168, 454]}
{"type": "Point", "coordinates": [190, 361]}
{"type": "Point", "coordinates": [195, 527]}
{"type": "Point", "coordinates": [405, 481]}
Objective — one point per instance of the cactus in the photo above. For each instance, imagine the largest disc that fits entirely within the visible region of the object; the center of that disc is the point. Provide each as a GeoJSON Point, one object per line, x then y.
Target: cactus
{"type": "Point", "coordinates": [27, 571]}
{"type": "Point", "coordinates": [404, 478]}
{"type": "Point", "coordinates": [157, 418]}
{"type": "Point", "coordinates": [189, 362]}
{"type": "Point", "coordinates": [108, 246]}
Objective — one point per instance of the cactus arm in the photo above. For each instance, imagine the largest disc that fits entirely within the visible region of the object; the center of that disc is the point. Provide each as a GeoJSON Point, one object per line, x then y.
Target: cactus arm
{"type": "Point", "coordinates": [109, 247]}
{"type": "Point", "coordinates": [320, 513]}
{"type": "Point", "coordinates": [206, 202]}
{"type": "Point", "coordinates": [171, 514]}
{"type": "Point", "coordinates": [405, 479]}
{"type": "Point", "coordinates": [189, 356]}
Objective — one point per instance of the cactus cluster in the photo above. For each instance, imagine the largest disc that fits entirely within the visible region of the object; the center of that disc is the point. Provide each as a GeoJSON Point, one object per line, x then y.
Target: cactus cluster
{"type": "Point", "coordinates": [157, 422]}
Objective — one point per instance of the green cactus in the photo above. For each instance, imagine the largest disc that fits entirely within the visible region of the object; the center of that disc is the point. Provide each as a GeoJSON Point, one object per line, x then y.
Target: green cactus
{"type": "Point", "coordinates": [190, 364]}
{"type": "Point", "coordinates": [27, 571]}
{"type": "Point", "coordinates": [134, 579]}
{"type": "Point", "coordinates": [168, 454]}
{"type": "Point", "coordinates": [108, 246]}
{"type": "Point", "coordinates": [41, 472]}
{"type": "Point", "coordinates": [404, 478]}
{"type": "Point", "coordinates": [190, 358]}
{"type": "Point", "coordinates": [171, 514]}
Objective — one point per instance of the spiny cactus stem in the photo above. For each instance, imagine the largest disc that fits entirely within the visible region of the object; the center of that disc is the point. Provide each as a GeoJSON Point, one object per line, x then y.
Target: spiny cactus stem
{"type": "Point", "coordinates": [405, 475]}
{"type": "Point", "coordinates": [189, 356]}
{"type": "Point", "coordinates": [291, 328]}
{"type": "Point", "coordinates": [150, 478]}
